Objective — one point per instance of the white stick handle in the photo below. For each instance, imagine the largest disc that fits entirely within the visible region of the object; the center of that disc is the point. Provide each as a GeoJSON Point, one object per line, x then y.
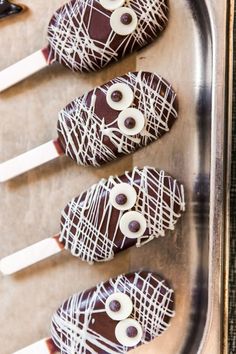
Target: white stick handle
{"type": "Point", "coordinates": [22, 69]}
{"type": "Point", "coordinates": [30, 255]}
{"type": "Point", "coordinates": [29, 160]}
{"type": "Point", "coordinates": [40, 347]}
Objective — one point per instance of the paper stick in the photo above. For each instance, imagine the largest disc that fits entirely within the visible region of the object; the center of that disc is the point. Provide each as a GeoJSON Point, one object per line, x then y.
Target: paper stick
{"type": "Point", "coordinates": [22, 69]}
{"type": "Point", "coordinates": [29, 160]}
{"type": "Point", "coordinates": [30, 255]}
{"type": "Point", "coordinates": [44, 346]}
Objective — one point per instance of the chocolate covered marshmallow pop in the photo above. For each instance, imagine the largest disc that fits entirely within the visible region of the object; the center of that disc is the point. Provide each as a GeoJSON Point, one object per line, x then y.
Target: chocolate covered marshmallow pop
{"type": "Point", "coordinates": [113, 317]}
{"type": "Point", "coordinates": [86, 35]}
{"type": "Point", "coordinates": [113, 120]}
{"type": "Point", "coordinates": [109, 217]}
{"type": "Point", "coordinates": [8, 9]}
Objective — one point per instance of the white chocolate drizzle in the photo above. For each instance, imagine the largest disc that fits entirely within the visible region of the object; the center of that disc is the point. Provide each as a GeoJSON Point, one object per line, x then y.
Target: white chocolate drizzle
{"type": "Point", "coordinates": [75, 42]}
{"type": "Point", "coordinates": [72, 325]}
{"type": "Point", "coordinates": [83, 131]}
{"type": "Point", "coordinates": [86, 226]}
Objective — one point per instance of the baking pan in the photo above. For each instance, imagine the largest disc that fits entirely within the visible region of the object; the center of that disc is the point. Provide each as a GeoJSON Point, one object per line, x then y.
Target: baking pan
{"type": "Point", "coordinates": [192, 54]}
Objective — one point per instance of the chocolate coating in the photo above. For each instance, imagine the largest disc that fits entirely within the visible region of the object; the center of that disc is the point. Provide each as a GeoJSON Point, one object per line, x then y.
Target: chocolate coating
{"type": "Point", "coordinates": [159, 197]}
{"type": "Point", "coordinates": [126, 19]}
{"type": "Point", "coordinates": [131, 332]}
{"type": "Point", "coordinates": [115, 306]}
{"type": "Point", "coordinates": [121, 199]}
{"type": "Point", "coordinates": [80, 35]}
{"type": "Point", "coordinates": [8, 9]}
{"type": "Point", "coordinates": [72, 331]}
{"type": "Point", "coordinates": [134, 226]}
{"type": "Point", "coordinates": [85, 123]}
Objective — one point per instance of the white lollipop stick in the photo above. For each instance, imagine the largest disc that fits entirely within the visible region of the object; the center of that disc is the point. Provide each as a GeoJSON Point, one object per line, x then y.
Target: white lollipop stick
{"type": "Point", "coordinates": [24, 68]}
{"type": "Point", "coordinates": [29, 160]}
{"type": "Point", "coordinates": [30, 255]}
{"type": "Point", "coordinates": [44, 346]}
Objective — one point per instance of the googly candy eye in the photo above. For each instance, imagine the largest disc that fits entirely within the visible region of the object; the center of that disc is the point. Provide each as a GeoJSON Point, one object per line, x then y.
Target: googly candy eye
{"type": "Point", "coordinates": [118, 306]}
{"type": "Point", "coordinates": [123, 196]}
{"type": "Point", "coordinates": [112, 4]}
{"type": "Point", "coordinates": [124, 21]}
{"type": "Point", "coordinates": [131, 121]}
{"type": "Point", "coordinates": [120, 96]}
{"type": "Point", "coordinates": [129, 332]}
{"type": "Point", "coordinates": [133, 224]}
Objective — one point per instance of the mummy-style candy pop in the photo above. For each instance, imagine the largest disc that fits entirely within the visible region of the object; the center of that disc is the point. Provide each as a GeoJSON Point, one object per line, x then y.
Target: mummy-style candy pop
{"type": "Point", "coordinates": [113, 120]}
{"type": "Point", "coordinates": [83, 325]}
{"type": "Point", "coordinates": [109, 217]}
{"type": "Point", "coordinates": [8, 9]}
{"type": "Point", "coordinates": [86, 35]}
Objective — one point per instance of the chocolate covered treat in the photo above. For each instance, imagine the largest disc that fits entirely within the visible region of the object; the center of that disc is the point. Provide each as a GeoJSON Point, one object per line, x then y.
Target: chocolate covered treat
{"type": "Point", "coordinates": [8, 9]}
{"type": "Point", "coordinates": [87, 35]}
{"type": "Point", "coordinates": [97, 224]}
{"type": "Point", "coordinates": [85, 323]}
{"type": "Point", "coordinates": [94, 226]}
{"type": "Point", "coordinates": [115, 119]}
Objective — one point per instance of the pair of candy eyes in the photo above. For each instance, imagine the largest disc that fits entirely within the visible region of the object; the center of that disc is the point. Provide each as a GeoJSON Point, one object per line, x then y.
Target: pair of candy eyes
{"type": "Point", "coordinates": [128, 331]}
{"type": "Point", "coordinates": [123, 197]}
{"type": "Point", "coordinates": [123, 20]}
{"type": "Point", "coordinates": [120, 97]}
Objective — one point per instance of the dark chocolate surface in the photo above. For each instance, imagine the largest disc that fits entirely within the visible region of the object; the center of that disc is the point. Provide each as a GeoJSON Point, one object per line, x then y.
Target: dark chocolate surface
{"type": "Point", "coordinates": [8, 9]}
{"type": "Point", "coordinates": [80, 35]}
{"type": "Point", "coordinates": [90, 224]}
{"type": "Point", "coordinates": [88, 131]}
{"type": "Point", "coordinates": [82, 325]}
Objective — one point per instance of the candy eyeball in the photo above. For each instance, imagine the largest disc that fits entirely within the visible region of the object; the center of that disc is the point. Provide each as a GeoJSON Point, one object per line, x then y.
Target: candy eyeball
{"type": "Point", "coordinates": [123, 196]}
{"type": "Point", "coordinates": [129, 332]}
{"type": "Point", "coordinates": [118, 306]}
{"type": "Point", "coordinates": [133, 224]}
{"type": "Point", "coordinates": [112, 4]}
{"type": "Point", "coordinates": [131, 121]}
{"type": "Point", "coordinates": [120, 96]}
{"type": "Point", "coordinates": [124, 21]}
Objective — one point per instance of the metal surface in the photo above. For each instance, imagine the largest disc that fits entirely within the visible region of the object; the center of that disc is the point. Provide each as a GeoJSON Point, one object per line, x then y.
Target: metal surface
{"type": "Point", "coordinates": [200, 154]}
{"type": "Point", "coordinates": [191, 54]}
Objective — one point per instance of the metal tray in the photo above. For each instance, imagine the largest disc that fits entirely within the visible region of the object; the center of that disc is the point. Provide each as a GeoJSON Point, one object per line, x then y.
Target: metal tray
{"type": "Point", "coordinates": [192, 55]}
